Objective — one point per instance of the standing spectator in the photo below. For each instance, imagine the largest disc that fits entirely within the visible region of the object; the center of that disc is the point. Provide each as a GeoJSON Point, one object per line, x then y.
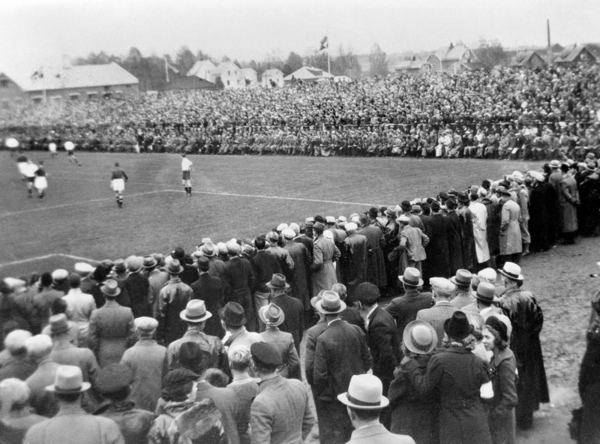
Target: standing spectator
{"type": "Point", "coordinates": [244, 386]}
{"type": "Point", "coordinates": [302, 259]}
{"type": "Point", "coordinates": [19, 365]}
{"type": "Point", "coordinates": [38, 350]}
{"type": "Point", "coordinates": [325, 253]}
{"type": "Point", "coordinates": [111, 327]}
{"type": "Point", "coordinates": [264, 264]}
{"type": "Point", "coordinates": [438, 255]}
{"type": "Point", "coordinates": [234, 321]}
{"type": "Point", "coordinates": [42, 301]}
{"type": "Point", "coordinates": [157, 278]}
{"type": "Point", "coordinates": [273, 316]}
{"type": "Point", "coordinates": [568, 198]}
{"type": "Point", "coordinates": [137, 287]}
{"type": "Point", "coordinates": [292, 308]}
{"type": "Point", "coordinates": [411, 413]}
{"type": "Point", "coordinates": [412, 243]}
{"type": "Point", "coordinates": [479, 215]}
{"type": "Point", "coordinates": [66, 353]}
{"type": "Point", "coordinates": [148, 363]}
{"type": "Point", "coordinates": [511, 244]}
{"type": "Point", "coordinates": [527, 320]}
{"type": "Point", "coordinates": [113, 383]}
{"type": "Point", "coordinates": [212, 291]}
{"type": "Point", "coordinates": [72, 425]}
{"type": "Point", "coordinates": [365, 402]}
{"type": "Point", "coordinates": [463, 295]}
{"type": "Point", "coordinates": [341, 351]}
{"type": "Point", "coordinates": [240, 277]}
{"type": "Point", "coordinates": [375, 242]}
{"type": "Point", "coordinates": [354, 260]}
{"type": "Point", "coordinates": [457, 375]}
{"type": "Point", "coordinates": [404, 308]}
{"type": "Point", "coordinates": [195, 315]}
{"type": "Point", "coordinates": [15, 416]}
{"type": "Point", "coordinates": [541, 212]}
{"type": "Point", "coordinates": [503, 369]}
{"type": "Point", "coordinates": [280, 412]}
{"type": "Point", "coordinates": [173, 297]}
{"type": "Point", "coordinates": [443, 292]}
{"type": "Point", "coordinates": [80, 306]}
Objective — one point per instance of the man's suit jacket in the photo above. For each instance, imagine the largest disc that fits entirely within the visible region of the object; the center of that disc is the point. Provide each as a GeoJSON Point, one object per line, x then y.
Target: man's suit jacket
{"type": "Point", "coordinates": [377, 434]}
{"type": "Point", "coordinates": [294, 317]}
{"type": "Point", "coordinates": [311, 344]}
{"type": "Point", "coordinates": [136, 289]}
{"type": "Point", "coordinates": [226, 402]}
{"type": "Point", "coordinates": [264, 264]}
{"type": "Point", "coordinates": [67, 354]}
{"type": "Point", "coordinates": [212, 291]}
{"type": "Point", "coordinates": [111, 332]}
{"type": "Point", "coordinates": [382, 340]}
{"type": "Point", "coordinates": [40, 399]}
{"type": "Point", "coordinates": [341, 352]}
{"type": "Point", "coordinates": [436, 316]}
{"type": "Point", "coordinates": [240, 277]}
{"type": "Point", "coordinates": [404, 308]}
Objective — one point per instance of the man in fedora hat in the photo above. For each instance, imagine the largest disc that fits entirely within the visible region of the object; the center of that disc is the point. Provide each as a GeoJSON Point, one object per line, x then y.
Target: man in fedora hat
{"type": "Point", "coordinates": [264, 264]}
{"type": "Point", "coordinates": [157, 278]}
{"type": "Point", "coordinates": [292, 308]}
{"type": "Point", "coordinates": [364, 403]}
{"type": "Point", "coordinates": [114, 384]}
{"type": "Point", "coordinates": [325, 253]}
{"type": "Point", "coordinates": [455, 375]}
{"type": "Point", "coordinates": [240, 277]}
{"type": "Point", "coordinates": [462, 280]}
{"type": "Point", "coordinates": [173, 298]}
{"type": "Point", "coordinates": [354, 260]}
{"type": "Point", "coordinates": [195, 316]}
{"type": "Point", "coordinates": [281, 411]}
{"type": "Point", "coordinates": [485, 303]}
{"type": "Point", "coordinates": [233, 319]}
{"type": "Point", "coordinates": [72, 425]}
{"type": "Point", "coordinates": [147, 360]}
{"type": "Point", "coordinates": [411, 413]}
{"type": "Point", "coordinates": [404, 308]}
{"type": "Point", "coordinates": [65, 353]}
{"type": "Point", "coordinates": [437, 251]}
{"type": "Point", "coordinates": [211, 290]}
{"type": "Point", "coordinates": [111, 327]}
{"type": "Point", "coordinates": [137, 287]}
{"type": "Point", "coordinates": [273, 316]}
{"type": "Point", "coordinates": [527, 320]}
{"type": "Point", "coordinates": [302, 259]}
{"type": "Point", "coordinates": [443, 292]}
{"type": "Point", "coordinates": [341, 351]}
{"type": "Point", "coordinates": [511, 243]}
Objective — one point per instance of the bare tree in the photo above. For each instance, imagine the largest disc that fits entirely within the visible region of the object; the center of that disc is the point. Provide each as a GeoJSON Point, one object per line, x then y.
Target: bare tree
{"type": "Point", "coordinates": [378, 61]}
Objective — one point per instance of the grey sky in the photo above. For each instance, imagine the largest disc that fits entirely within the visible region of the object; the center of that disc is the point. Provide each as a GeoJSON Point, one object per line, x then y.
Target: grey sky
{"type": "Point", "coordinates": [36, 32]}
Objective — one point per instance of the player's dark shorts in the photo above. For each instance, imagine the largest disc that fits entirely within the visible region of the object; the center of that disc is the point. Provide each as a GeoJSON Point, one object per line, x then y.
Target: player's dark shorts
{"type": "Point", "coordinates": [70, 152]}
{"type": "Point", "coordinates": [186, 175]}
{"type": "Point", "coordinates": [30, 179]}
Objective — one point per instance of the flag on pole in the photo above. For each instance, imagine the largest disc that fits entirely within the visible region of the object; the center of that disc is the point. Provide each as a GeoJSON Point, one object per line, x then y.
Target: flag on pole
{"type": "Point", "coordinates": [324, 44]}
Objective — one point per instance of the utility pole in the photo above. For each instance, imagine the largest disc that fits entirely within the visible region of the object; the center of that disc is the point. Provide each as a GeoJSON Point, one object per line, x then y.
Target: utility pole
{"type": "Point", "coordinates": [549, 48]}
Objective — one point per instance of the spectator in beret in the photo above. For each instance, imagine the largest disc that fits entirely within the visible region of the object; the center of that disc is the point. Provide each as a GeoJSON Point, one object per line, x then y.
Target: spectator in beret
{"type": "Point", "coordinates": [19, 365]}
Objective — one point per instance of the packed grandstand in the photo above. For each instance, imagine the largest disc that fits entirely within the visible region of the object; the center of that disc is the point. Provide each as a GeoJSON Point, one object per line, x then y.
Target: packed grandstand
{"type": "Point", "coordinates": [540, 113]}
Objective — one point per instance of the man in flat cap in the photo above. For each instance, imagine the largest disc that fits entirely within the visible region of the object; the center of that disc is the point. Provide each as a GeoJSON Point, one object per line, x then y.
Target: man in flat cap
{"type": "Point", "coordinates": [113, 383]}
{"type": "Point", "coordinates": [443, 292]}
{"type": "Point", "coordinates": [147, 360]}
{"type": "Point", "coordinates": [281, 410]}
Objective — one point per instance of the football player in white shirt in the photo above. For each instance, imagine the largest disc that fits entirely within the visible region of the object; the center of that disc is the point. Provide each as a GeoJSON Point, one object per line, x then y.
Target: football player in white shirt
{"type": "Point", "coordinates": [70, 149]}
{"type": "Point", "coordinates": [28, 171]}
{"type": "Point", "coordinates": [186, 174]}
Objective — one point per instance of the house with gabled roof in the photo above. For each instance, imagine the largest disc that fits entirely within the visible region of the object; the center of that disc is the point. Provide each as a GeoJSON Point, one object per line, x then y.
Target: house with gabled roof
{"type": "Point", "coordinates": [528, 59]}
{"type": "Point", "coordinates": [453, 59]}
{"type": "Point", "coordinates": [575, 54]}
{"type": "Point", "coordinates": [272, 78]}
{"type": "Point", "coordinates": [308, 74]}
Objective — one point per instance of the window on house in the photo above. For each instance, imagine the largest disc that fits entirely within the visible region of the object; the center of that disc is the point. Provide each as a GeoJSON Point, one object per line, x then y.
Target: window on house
{"type": "Point", "coordinates": [37, 99]}
{"type": "Point", "coordinates": [92, 96]}
{"type": "Point", "coordinates": [74, 96]}
{"type": "Point", "coordinates": [106, 95]}
{"type": "Point", "coordinates": [3, 83]}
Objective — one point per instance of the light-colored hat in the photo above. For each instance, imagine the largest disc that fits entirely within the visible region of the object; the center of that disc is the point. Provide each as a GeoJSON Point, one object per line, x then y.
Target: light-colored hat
{"type": "Point", "coordinates": [145, 323]}
{"type": "Point", "coordinates": [350, 226]}
{"type": "Point", "coordinates": [537, 175]}
{"type": "Point", "coordinates": [288, 233]}
{"type": "Point", "coordinates": [330, 303]}
{"type": "Point", "coordinates": [281, 227]}
{"type": "Point", "coordinates": [486, 292]}
{"type": "Point", "coordinates": [419, 337]}
{"type": "Point", "coordinates": [222, 246]}
{"type": "Point", "coordinates": [294, 226]}
{"type": "Point", "coordinates": [83, 268]}
{"type": "Point", "coordinates": [462, 278]}
{"type": "Point", "coordinates": [59, 324]}
{"type": "Point", "coordinates": [488, 275]}
{"type": "Point", "coordinates": [554, 164]}
{"type": "Point", "coordinates": [365, 392]}
{"type": "Point", "coordinates": [195, 312]}
{"type": "Point", "coordinates": [68, 380]}
{"type": "Point", "coordinates": [111, 288]}
{"type": "Point", "coordinates": [278, 282]}
{"type": "Point", "coordinates": [233, 247]}
{"type": "Point", "coordinates": [517, 176]}
{"type": "Point", "coordinates": [330, 219]}
{"type": "Point", "coordinates": [271, 315]}
{"type": "Point", "coordinates": [403, 218]}
{"type": "Point", "coordinates": [342, 219]}
{"type": "Point", "coordinates": [15, 340]}
{"type": "Point", "coordinates": [411, 277]}
{"type": "Point", "coordinates": [134, 263]}
{"type": "Point", "coordinates": [38, 345]}
{"type": "Point", "coordinates": [174, 267]}
{"type": "Point", "coordinates": [511, 271]}
{"type": "Point", "coordinates": [442, 285]}
{"type": "Point", "coordinates": [60, 274]}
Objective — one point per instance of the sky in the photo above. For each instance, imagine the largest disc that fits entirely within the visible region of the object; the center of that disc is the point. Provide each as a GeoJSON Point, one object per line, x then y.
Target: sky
{"type": "Point", "coordinates": [49, 32]}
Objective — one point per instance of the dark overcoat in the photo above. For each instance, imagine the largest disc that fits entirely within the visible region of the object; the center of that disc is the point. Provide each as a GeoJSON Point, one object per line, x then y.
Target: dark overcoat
{"type": "Point", "coordinates": [212, 291]}
{"type": "Point", "coordinates": [437, 263]}
{"type": "Point", "coordinates": [404, 309]}
{"type": "Point", "coordinates": [300, 283]}
{"type": "Point", "coordinates": [136, 289]}
{"type": "Point", "coordinates": [455, 242]}
{"type": "Point", "coordinates": [375, 260]}
{"type": "Point", "coordinates": [382, 341]}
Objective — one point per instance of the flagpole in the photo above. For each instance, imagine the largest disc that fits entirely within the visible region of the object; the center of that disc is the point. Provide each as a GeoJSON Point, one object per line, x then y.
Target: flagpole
{"type": "Point", "coordinates": [166, 69]}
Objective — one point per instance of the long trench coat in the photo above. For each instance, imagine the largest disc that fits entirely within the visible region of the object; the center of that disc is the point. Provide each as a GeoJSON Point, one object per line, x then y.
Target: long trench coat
{"type": "Point", "coordinates": [568, 198]}
{"type": "Point", "coordinates": [324, 254]}
{"type": "Point", "coordinates": [111, 332]}
{"type": "Point", "coordinates": [456, 375]}
{"type": "Point", "coordinates": [510, 231]}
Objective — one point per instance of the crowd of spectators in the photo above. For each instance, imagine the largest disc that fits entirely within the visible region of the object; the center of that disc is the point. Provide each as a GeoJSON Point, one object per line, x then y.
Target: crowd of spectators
{"type": "Point", "coordinates": [508, 113]}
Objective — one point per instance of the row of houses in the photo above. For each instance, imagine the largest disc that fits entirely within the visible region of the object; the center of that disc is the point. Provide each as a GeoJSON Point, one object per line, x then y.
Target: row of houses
{"type": "Point", "coordinates": [232, 76]}
{"type": "Point", "coordinates": [457, 58]}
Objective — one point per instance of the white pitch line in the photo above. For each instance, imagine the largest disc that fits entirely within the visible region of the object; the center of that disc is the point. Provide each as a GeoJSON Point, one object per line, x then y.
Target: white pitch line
{"type": "Point", "coordinates": [72, 204]}
{"type": "Point", "coordinates": [48, 256]}
{"type": "Point", "coordinates": [210, 193]}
